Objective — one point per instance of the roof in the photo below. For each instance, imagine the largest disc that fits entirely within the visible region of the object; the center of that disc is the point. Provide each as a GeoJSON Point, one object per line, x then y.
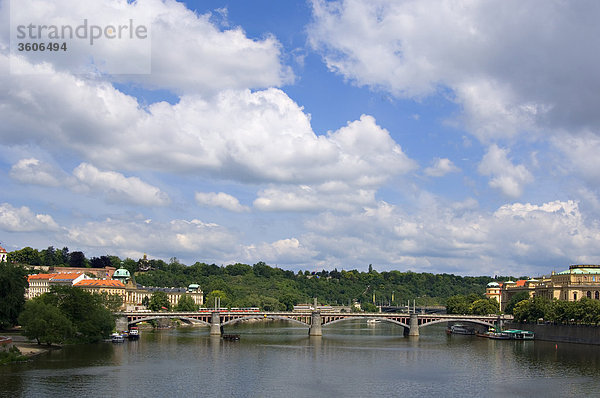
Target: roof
{"type": "Point", "coordinates": [521, 282]}
{"type": "Point", "coordinates": [2, 250]}
{"type": "Point", "coordinates": [580, 271]}
{"type": "Point", "coordinates": [121, 273]}
{"type": "Point", "coordinates": [41, 276]}
{"type": "Point", "coordinates": [100, 283]}
{"type": "Point", "coordinates": [69, 276]}
{"type": "Point", "coordinates": [493, 284]}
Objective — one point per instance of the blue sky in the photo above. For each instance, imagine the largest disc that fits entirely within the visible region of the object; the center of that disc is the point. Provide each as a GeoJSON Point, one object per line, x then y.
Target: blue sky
{"type": "Point", "coordinates": [437, 136]}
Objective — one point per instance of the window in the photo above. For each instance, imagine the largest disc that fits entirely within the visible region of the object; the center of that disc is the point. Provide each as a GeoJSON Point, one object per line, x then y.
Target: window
{"type": "Point", "coordinates": [597, 295]}
{"type": "Point", "coordinates": [589, 294]}
{"type": "Point", "coordinates": [574, 296]}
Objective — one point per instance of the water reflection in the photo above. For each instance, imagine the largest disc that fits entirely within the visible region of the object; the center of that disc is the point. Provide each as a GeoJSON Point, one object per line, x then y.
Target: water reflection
{"type": "Point", "coordinates": [279, 358]}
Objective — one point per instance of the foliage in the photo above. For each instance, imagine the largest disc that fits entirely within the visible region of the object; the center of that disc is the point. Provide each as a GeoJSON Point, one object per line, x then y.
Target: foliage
{"type": "Point", "coordinates": [473, 304]}
{"type": "Point", "coordinates": [13, 282]}
{"type": "Point", "coordinates": [45, 322]}
{"type": "Point", "coordinates": [186, 303]}
{"type": "Point", "coordinates": [112, 302]}
{"type": "Point", "coordinates": [11, 355]}
{"type": "Point", "coordinates": [585, 311]}
{"type": "Point", "coordinates": [243, 285]}
{"type": "Point", "coordinates": [518, 297]}
{"type": "Point", "coordinates": [484, 306]}
{"type": "Point", "coordinates": [159, 302]}
{"type": "Point", "coordinates": [90, 319]}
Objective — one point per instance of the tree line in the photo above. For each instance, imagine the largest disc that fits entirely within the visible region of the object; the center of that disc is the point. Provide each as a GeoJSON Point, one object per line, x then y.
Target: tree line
{"type": "Point", "coordinates": [274, 288]}
{"type": "Point", "coordinates": [582, 312]}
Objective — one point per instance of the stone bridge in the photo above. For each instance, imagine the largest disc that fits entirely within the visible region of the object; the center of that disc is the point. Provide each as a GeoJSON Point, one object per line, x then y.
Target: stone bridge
{"type": "Point", "coordinates": [216, 320]}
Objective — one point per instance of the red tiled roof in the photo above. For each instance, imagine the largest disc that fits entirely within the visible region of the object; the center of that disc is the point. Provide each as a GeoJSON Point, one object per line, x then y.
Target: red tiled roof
{"type": "Point", "coordinates": [99, 283]}
{"type": "Point", "coordinates": [2, 250]}
{"type": "Point", "coordinates": [521, 282]}
{"type": "Point", "coordinates": [67, 275]}
{"type": "Point", "coordinates": [41, 276]}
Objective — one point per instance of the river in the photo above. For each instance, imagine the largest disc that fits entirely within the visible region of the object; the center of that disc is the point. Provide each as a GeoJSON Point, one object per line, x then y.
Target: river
{"type": "Point", "coordinates": [276, 359]}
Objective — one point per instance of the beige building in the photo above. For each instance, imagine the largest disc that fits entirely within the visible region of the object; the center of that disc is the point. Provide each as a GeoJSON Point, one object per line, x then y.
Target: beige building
{"type": "Point", "coordinates": [41, 283]}
{"type": "Point", "coordinates": [3, 255]}
{"type": "Point", "coordinates": [569, 285]}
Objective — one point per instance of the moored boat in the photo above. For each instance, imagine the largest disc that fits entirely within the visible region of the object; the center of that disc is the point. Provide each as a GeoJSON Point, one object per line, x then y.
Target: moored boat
{"type": "Point", "coordinates": [460, 329]}
{"type": "Point", "coordinates": [134, 333]}
{"type": "Point", "coordinates": [117, 338]}
{"type": "Point", "coordinates": [516, 334]}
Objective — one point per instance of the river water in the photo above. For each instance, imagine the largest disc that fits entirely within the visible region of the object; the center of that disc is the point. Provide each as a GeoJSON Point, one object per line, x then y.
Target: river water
{"type": "Point", "coordinates": [276, 359]}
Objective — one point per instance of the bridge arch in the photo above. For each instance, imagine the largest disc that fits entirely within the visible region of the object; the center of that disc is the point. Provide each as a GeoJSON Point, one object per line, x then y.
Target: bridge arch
{"type": "Point", "coordinates": [262, 317]}
{"type": "Point", "coordinates": [376, 318]}
{"type": "Point", "coordinates": [150, 318]}
{"type": "Point", "coordinates": [488, 324]}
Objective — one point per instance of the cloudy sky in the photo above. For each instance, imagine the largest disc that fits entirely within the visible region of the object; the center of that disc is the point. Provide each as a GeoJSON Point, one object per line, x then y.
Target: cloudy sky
{"type": "Point", "coordinates": [439, 136]}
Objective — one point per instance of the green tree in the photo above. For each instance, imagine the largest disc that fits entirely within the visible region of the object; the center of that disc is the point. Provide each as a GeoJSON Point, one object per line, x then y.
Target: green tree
{"type": "Point", "coordinates": [112, 302]}
{"type": "Point", "coordinates": [186, 304]}
{"type": "Point", "coordinates": [484, 307]}
{"type": "Point", "coordinates": [13, 282]}
{"type": "Point", "coordinates": [45, 323]}
{"type": "Point", "coordinates": [220, 294]}
{"type": "Point", "coordinates": [514, 300]}
{"type": "Point", "coordinates": [91, 320]}
{"type": "Point", "coordinates": [159, 302]}
{"type": "Point", "coordinates": [457, 305]}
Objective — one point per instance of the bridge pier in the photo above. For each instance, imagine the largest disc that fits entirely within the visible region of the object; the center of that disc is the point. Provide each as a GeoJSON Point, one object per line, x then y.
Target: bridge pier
{"type": "Point", "coordinates": [414, 325]}
{"type": "Point", "coordinates": [121, 323]}
{"type": "Point", "coordinates": [215, 324]}
{"type": "Point", "coordinates": [315, 324]}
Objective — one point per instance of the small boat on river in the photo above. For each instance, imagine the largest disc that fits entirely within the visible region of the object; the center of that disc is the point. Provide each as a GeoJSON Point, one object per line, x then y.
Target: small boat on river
{"type": "Point", "coordinates": [516, 334]}
{"type": "Point", "coordinates": [117, 338]}
{"type": "Point", "coordinates": [460, 329]}
{"type": "Point", "coordinates": [134, 333]}
{"type": "Point", "coordinates": [513, 334]}
{"type": "Point", "coordinates": [231, 337]}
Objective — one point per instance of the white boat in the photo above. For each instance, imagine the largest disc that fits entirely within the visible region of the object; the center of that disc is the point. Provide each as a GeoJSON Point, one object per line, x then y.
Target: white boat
{"type": "Point", "coordinates": [460, 329]}
{"type": "Point", "coordinates": [117, 338]}
{"type": "Point", "coordinates": [134, 333]}
{"type": "Point", "coordinates": [372, 321]}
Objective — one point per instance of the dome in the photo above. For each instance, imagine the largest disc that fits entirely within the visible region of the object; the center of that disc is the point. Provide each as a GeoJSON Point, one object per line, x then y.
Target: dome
{"type": "Point", "coordinates": [121, 273]}
{"type": "Point", "coordinates": [510, 282]}
{"type": "Point", "coordinates": [493, 284]}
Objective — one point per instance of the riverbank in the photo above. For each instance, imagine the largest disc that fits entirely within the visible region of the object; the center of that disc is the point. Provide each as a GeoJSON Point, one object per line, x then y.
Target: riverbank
{"type": "Point", "coordinates": [28, 348]}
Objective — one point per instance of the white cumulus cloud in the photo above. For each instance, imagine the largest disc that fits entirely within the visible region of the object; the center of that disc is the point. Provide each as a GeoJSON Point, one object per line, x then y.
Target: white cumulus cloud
{"type": "Point", "coordinates": [510, 179]}
{"type": "Point", "coordinates": [441, 167]}
{"type": "Point", "coordinates": [116, 187]}
{"type": "Point", "coordinates": [22, 219]}
{"type": "Point", "coordinates": [220, 199]}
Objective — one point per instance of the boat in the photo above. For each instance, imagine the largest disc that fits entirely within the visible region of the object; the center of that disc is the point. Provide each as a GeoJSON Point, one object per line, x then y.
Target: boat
{"type": "Point", "coordinates": [460, 329]}
{"type": "Point", "coordinates": [516, 334]}
{"type": "Point", "coordinates": [496, 336]}
{"type": "Point", "coordinates": [117, 338]}
{"type": "Point", "coordinates": [134, 333]}
{"type": "Point", "coordinates": [231, 337]}
{"type": "Point", "coordinates": [373, 321]}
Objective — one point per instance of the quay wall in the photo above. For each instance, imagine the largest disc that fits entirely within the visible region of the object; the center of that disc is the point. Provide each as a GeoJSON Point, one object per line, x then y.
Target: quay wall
{"type": "Point", "coordinates": [581, 334]}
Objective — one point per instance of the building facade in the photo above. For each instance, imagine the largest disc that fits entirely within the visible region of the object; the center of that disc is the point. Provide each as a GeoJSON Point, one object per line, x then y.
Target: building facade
{"type": "Point", "coordinates": [3, 255]}
{"type": "Point", "coordinates": [569, 285]}
{"type": "Point", "coordinates": [41, 283]}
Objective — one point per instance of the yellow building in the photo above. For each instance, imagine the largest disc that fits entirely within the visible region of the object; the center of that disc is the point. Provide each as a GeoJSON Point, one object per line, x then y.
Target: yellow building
{"type": "Point", "coordinates": [133, 294]}
{"type": "Point", "coordinates": [570, 285]}
{"type": "Point", "coordinates": [41, 283]}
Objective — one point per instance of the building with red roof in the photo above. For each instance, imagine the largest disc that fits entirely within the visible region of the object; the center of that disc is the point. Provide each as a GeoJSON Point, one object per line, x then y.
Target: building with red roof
{"type": "Point", "coordinates": [41, 283]}
{"type": "Point", "coordinates": [3, 255]}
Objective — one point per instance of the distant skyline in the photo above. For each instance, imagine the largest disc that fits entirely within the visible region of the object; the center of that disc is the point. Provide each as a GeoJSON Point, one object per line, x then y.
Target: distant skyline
{"type": "Point", "coordinates": [434, 136]}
